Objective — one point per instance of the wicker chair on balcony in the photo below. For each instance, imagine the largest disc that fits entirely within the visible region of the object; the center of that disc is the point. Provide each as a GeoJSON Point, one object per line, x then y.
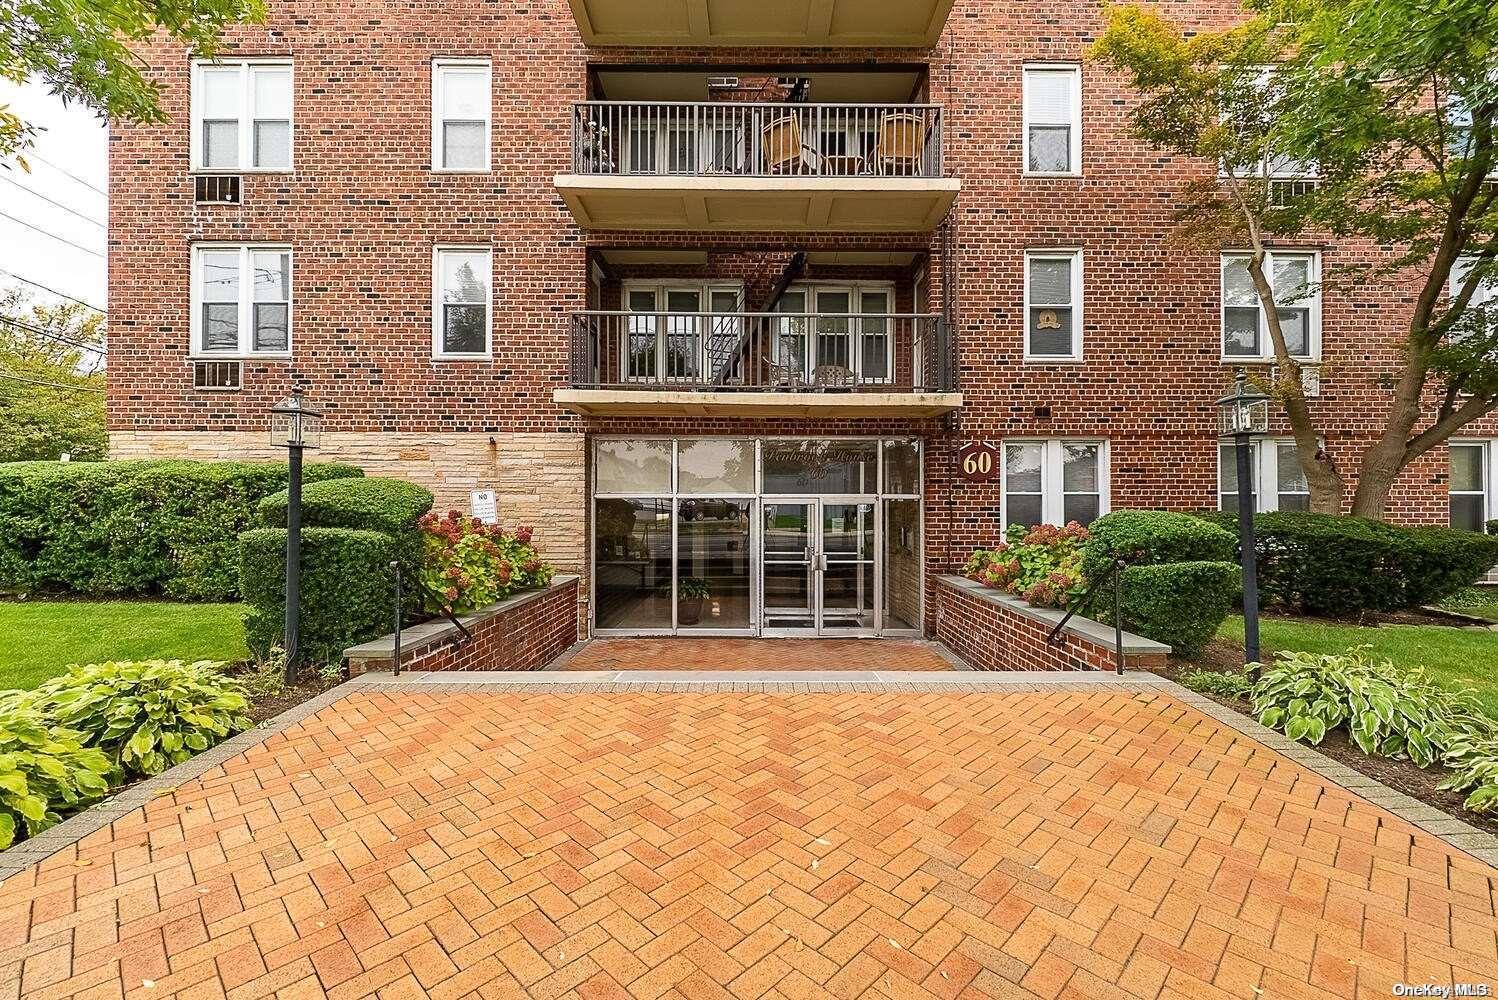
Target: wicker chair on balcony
{"type": "Point", "coordinates": [832, 377]}
{"type": "Point", "coordinates": [900, 144]}
{"type": "Point", "coordinates": [785, 151]}
{"type": "Point", "coordinates": [783, 376]}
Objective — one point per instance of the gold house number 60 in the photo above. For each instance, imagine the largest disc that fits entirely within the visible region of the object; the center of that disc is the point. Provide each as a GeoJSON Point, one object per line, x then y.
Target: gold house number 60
{"type": "Point", "coordinates": [979, 461]}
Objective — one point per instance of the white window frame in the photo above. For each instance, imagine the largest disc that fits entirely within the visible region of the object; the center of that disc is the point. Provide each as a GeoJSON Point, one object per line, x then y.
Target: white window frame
{"type": "Point", "coordinates": [1264, 461]}
{"type": "Point", "coordinates": [246, 120]}
{"type": "Point", "coordinates": [1074, 254]}
{"type": "Point", "coordinates": [1075, 147]}
{"type": "Point", "coordinates": [438, 251]}
{"type": "Point", "coordinates": [1052, 476]}
{"type": "Point", "coordinates": [1489, 493]}
{"type": "Point", "coordinates": [1303, 170]}
{"type": "Point", "coordinates": [1484, 296]}
{"type": "Point", "coordinates": [246, 304]}
{"type": "Point", "coordinates": [453, 62]}
{"type": "Point", "coordinates": [705, 290]}
{"type": "Point", "coordinates": [1266, 345]}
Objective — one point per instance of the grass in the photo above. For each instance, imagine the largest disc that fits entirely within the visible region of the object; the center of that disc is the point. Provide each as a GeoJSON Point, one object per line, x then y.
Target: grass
{"type": "Point", "coordinates": [39, 639]}
{"type": "Point", "coordinates": [1450, 655]}
{"type": "Point", "coordinates": [1479, 601]}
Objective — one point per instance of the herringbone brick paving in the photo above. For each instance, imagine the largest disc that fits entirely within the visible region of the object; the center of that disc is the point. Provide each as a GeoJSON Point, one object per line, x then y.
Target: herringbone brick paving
{"type": "Point", "coordinates": [1088, 844]}
{"type": "Point", "coordinates": [719, 653]}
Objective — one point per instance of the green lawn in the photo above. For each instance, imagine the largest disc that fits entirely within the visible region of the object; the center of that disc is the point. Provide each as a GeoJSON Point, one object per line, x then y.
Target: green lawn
{"type": "Point", "coordinates": [1457, 657]}
{"type": "Point", "coordinates": [41, 638]}
{"type": "Point", "coordinates": [1479, 601]}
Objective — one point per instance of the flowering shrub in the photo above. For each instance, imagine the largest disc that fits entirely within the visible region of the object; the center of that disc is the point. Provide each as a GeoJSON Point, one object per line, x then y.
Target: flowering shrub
{"type": "Point", "coordinates": [469, 564]}
{"type": "Point", "coordinates": [1042, 565]}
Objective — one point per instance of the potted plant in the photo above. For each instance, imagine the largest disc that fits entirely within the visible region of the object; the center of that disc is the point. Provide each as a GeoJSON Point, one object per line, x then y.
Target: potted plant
{"type": "Point", "coordinates": [690, 593]}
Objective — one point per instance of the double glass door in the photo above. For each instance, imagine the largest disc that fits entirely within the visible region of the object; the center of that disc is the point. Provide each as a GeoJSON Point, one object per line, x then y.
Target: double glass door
{"type": "Point", "coordinates": [818, 566]}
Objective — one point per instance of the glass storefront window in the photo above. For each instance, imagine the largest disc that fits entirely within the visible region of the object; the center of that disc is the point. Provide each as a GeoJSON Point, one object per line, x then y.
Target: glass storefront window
{"type": "Point", "coordinates": [902, 467]}
{"type": "Point", "coordinates": [632, 563]}
{"type": "Point", "coordinates": [821, 467]}
{"type": "Point", "coordinates": [902, 564]}
{"type": "Point", "coordinates": [632, 467]}
{"type": "Point", "coordinates": [713, 565]}
{"type": "Point", "coordinates": [715, 465]}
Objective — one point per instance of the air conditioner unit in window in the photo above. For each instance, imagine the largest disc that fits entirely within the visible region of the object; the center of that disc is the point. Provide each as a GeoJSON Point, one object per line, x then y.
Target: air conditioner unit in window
{"type": "Point", "coordinates": [217, 376]}
{"type": "Point", "coordinates": [1310, 379]}
{"type": "Point", "coordinates": [722, 83]}
{"type": "Point", "coordinates": [215, 189]}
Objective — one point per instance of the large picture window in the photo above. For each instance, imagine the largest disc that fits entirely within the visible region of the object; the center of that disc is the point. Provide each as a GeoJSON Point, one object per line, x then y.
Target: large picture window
{"type": "Point", "coordinates": [241, 115]}
{"type": "Point", "coordinates": [241, 300]}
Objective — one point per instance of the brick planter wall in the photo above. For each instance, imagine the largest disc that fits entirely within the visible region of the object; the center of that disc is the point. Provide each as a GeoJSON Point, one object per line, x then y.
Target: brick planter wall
{"type": "Point", "coordinates": [526, 632]}
{"type": "Point", "coordinates": [993, 631]}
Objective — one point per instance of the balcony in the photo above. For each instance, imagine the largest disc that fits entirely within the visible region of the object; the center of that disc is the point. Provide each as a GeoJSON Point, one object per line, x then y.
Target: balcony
{"type": "Point", "coordinates": [881, 23]}
{"type": "Point", "coordinates": [775, 364]}
{"type": "Point", "coordinates": [733, 166]}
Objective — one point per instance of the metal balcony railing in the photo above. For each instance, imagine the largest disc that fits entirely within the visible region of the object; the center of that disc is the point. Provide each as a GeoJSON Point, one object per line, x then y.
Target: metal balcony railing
{"type": "Point", "coordinates": [765, 352]}
{"type": "Point", "coordinates": [741, 139]}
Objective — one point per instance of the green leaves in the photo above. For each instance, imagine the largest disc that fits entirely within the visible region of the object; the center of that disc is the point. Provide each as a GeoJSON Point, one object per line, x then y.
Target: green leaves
{"type": "Point", "coordinates": [45, 772]}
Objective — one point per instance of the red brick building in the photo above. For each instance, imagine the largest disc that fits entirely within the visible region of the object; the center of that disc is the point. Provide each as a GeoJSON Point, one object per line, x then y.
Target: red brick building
{"type": "Point", "coordinates": [712, 292]}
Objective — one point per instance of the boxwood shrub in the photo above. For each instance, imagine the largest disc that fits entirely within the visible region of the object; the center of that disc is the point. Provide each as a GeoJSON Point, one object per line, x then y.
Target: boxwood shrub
{"type": "Point", "coordinates": [1149, 537]}
{"type": "Point", "coordinates": [346, 587]}
{"type": "Point", "coordinates": [1180, 604]}
{"type": "Point", "coordinates": [133, 527]}
{"type": "Point", "coordinates": [374, 504]}
{"type": "Point", "coordinates": [1328, 564]}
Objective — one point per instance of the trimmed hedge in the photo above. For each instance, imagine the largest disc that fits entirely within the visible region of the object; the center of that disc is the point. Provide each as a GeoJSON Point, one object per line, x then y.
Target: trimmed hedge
{"type": "Point", "coordinates": [346, 588]}
{"type": "Point", "coordinates": [1150, 537]}
{"type": "Point", "coordinates": [373, 504]}
{"type": "Point", "coordinates": [1328, 564]}
{"type": "Point", "coordinates": [1493, 527]}
{"type": "Point", "coordinates": [1180, 604]}
{"type": "Point", "coordinates": [133, 527]}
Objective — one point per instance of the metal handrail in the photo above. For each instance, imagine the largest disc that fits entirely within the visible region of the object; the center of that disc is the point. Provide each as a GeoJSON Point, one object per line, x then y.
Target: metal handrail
{"type": "Point", "coordinates": [1114, 574]}
{"type": "Point", "coordinates": [456, 642]}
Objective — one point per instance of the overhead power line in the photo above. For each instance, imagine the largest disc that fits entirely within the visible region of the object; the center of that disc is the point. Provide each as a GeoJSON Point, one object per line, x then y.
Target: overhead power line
{"type": "Point", "coordinates": [37, 229]}
{"type": "Point", "coordinates": [48, 334]}
{"type": "Point", "coordinates": [53, 202]}
{"type": "Point", "coordinates": [61, 295]}
{"type": "Point", "coordinates": [50, 385]}
{"type": "Point", "coordinates": [68, 173]}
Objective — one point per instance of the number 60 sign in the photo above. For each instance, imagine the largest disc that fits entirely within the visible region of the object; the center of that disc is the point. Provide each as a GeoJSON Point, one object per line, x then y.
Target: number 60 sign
{"type": "Point", "coordinates": [978, 461]}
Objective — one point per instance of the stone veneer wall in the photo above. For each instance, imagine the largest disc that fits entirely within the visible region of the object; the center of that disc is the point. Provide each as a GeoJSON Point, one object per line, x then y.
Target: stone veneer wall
{"type": "Point", "coordinates": [993, 631]}
{"type": "Point", "coordinates": [526, 632]}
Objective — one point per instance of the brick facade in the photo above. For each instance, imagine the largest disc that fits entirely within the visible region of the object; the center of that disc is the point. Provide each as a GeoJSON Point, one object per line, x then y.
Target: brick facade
{"type": "Point", "coordinates": [363, 211]}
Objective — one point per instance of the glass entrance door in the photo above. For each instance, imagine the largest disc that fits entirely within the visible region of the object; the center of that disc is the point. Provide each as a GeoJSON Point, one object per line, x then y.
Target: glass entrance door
{"type": "Point", "coordinates": [818, 574]}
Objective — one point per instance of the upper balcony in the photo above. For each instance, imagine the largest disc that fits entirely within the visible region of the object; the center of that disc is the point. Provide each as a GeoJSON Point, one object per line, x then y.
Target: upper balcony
{"type": "Point", "coordinates": [745, 166]}
{"type": "Point", "coordinates": [779, 23]}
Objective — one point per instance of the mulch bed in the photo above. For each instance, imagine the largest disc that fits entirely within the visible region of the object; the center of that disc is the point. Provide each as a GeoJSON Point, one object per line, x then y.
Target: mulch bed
{"type": "Point", "coordinates": [1400, 775]}
{"type": "Point", "coordinates": [309, 686]}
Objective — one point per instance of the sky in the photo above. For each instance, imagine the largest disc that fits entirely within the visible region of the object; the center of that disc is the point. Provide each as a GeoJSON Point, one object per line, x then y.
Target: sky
{"type": "Point", "coordinates": [71, 140]}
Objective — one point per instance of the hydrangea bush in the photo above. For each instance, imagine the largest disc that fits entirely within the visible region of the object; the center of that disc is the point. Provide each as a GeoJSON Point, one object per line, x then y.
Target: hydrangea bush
{"type": "Point", "coordinates": [467, 564]}
{"type": "Point", "coordinates": [1042, 565]}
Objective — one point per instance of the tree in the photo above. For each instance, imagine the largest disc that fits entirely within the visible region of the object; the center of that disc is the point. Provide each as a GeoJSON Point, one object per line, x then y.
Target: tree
{"type": "Point", "coordinates": [51, 381]}
{"type": "Point", "coordinates": [1392, 104]}
{"type": "Point", "coordinates": [81, 51]}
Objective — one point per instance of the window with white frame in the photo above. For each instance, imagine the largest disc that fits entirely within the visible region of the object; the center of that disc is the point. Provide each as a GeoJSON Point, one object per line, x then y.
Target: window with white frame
{"type": "Point", "coordinates": [1278, 481]}
{"type": "Point", "coordinates": [1473, 483]}
{"type": "Point", "coordinates": [462, 311]}
{"type": "Point", "coordinates": [1053, 119]}
{"type": "Point", "coordinates": [1295, 279]}
{"type": "Point", "coordinates": [1256, 112]}
{"type": "Point", "coordinates": [241, 115]}
{"type": "Point", "coordinates": [1054, 481]}
{"type": "Point", "coordinates": [461, 114]}
{"type": "Point", "coordinates": [1053, 305]}
{"type": "Point", "coordinates": [241, 300]}
{"type": "Point", "coordinates": [1482, 308]}
{"type": "Point", "coordinates": [676, 329]}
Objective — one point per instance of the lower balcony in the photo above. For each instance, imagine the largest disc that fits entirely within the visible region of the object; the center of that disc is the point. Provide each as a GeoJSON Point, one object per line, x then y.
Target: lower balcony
{"type": "Point", "coordinates": [773, 364]}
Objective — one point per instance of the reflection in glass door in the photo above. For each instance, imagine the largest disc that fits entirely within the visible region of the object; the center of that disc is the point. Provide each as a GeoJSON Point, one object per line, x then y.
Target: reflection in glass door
{"type": "Point", "coordinates": [847, 567]}
{"type": "Point", "coordinates": [818, 567]}
{"type": "Point", "coordinates": [788, 540]}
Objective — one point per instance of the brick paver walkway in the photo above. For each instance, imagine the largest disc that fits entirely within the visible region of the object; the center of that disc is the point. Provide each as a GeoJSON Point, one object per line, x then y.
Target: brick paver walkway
{"type": "Point", "coordinates": [758, 654]}
{"type": "Point", "coordinates": [1083, 844]}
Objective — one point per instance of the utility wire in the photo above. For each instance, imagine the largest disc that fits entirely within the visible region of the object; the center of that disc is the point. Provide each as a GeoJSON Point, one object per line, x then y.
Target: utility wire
{"type": "Point", "coordinates": [50, 385]}
{"type": "Point", "coordinates": [37, 229]}
{"type": "Point", "coordinates": [61, 295]}
{"type": "Point", "coordinates": [38, 331]}
{"type": "Point", "coordinates": [67, 173]}
{"type": "Point", "coordinates": [54, 203]}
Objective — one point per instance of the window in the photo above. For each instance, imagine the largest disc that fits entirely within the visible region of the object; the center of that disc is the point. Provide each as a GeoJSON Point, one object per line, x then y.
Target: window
{"type": "Point", "coordinates": [241, 115]}
{"type": "Point", "coordinates": [241, 300]}
{"type": "Point", "coordinates": [1295, 278]}
{"type": "Point", "coordinates": [460, 114]}
{"type": "Point", "coordinates": [671, 339]}
{"type": "Point", "coordinates": [1279, 482]}
{"type": "Point", "coordinates": [1053, 305]}
{"type": "Point", "coordinates": [1053, 120]}
{"type": "Point", "coordinates": [461, 313]}
{"type": "Point", "coordinates": [1482, 309]}
{"type": "Point", "coordinates": [1054, 482]}
{"type": "Point", "coordinates": [1255, 116]}
{"type": "Point", "coordinates": [1473, 484]}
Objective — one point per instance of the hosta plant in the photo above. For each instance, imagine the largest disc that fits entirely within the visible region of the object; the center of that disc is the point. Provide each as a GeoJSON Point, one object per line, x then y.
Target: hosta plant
{"type": "Point", "coordinates": [1229, 685]}
{"type": "Point", "coordinates": [45, 772]}
{"type": "Point", "coordinates": [467, 564]}
{"type": "Point", "coordinates": [148, 715]}
{"type": "Point", "coordinates": [1473, 760]}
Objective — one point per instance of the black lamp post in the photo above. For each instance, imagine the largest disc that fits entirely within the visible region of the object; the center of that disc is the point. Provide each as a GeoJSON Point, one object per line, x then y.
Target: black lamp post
{"type": "Point", "coordinates": [1243, 415]}
{"type": "Point", "coordinates": [295, 427]}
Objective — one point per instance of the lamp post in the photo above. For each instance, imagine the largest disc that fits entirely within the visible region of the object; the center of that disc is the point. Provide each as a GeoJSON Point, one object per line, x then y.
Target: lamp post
{"type": "Point", "coordinates": [1243, 415]}
{"type": "Point", "coordinates": [294, 426]}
